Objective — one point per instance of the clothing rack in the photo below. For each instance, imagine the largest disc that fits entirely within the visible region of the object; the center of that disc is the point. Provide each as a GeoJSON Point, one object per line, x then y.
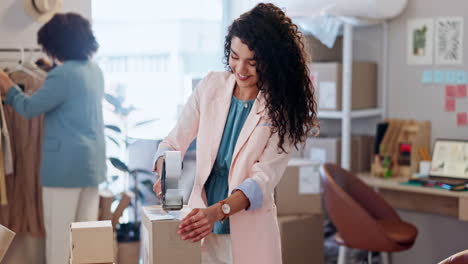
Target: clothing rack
{"type": "Point", "coordinates": [20, 49]}
{"type": "Point", "coordinates": [21, 60]}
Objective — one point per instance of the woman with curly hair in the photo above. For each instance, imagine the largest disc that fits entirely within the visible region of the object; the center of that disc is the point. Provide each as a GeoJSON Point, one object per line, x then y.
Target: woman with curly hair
{"type": "Point", "coordinates": [246, 121]}
{"type": "Point", "coordinates": [73, 149]}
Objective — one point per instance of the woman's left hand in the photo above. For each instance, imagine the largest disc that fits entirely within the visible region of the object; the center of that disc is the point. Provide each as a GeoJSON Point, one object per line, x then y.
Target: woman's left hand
{"type": "Point", "coordinates": [5, 82]}
{"type": "Point", "coordinates": [199, 223]}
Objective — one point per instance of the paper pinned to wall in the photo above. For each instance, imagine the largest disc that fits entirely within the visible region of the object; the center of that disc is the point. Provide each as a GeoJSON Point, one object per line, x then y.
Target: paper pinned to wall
{"type": "Point", "coordinates": [449, 104]}
{"type": "Point", "coordinates": [449, 40]}
{"type": "Point", "coordinates": [426, 77]}
{"type": "Point", "coordinates": [450, 91]}
{"type": "Point", "coordinates": [420, 38]}
{"type": "Point", "coordinates": [462, 119]}
{"type": "Point", "coordinates": [461, 90]}
{"type": "Point", "coordinates": [461, 77]}
{"type": "Point", "coordinates": [439, 77]}
{"type": "Point", "coordinates": [450, 77]}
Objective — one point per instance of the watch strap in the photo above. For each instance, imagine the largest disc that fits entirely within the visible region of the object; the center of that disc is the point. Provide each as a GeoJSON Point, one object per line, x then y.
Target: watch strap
{"type": "Point", "coordinates": [223, 202]}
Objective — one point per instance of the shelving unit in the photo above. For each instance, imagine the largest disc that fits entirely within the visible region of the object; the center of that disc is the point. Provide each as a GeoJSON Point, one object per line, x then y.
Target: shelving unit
{"type": "Point", "coordinates": [346, 115]}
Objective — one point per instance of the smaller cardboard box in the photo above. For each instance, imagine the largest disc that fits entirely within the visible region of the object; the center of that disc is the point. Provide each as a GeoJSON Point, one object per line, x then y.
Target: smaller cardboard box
{"type": "Point", "coordinates": [298, 191]}
{"type": "Point", "coordinates": [161, 243]}
{"type": "Point", "coordinates": [322, 53]}
{"type": "Point", "coordinates": [301, 239]}
{"type": "Point", "coordinates": [6, 237]}
{"type": "Point", "coordinates": [92, 242]}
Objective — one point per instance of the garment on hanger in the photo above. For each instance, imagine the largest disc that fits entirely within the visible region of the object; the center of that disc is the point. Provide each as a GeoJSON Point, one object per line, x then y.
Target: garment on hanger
{"type": "Point", "coordinates": [6, 159]}
{"type": "Point", "coordinates": [25, 214]}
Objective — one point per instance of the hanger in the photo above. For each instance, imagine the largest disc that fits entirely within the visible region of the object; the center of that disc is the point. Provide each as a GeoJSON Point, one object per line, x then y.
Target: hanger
{"type": "Point", "coordinates": [22, 68]}
{"type": "Point", "coordinates": [29, 64]}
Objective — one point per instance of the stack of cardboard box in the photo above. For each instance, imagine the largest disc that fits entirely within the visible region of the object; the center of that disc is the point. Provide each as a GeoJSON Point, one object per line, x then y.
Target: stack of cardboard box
{"type": "Point", "coordinates": [328, 149]}
{"type": "Point", "coordinates": [161, 243]}
{"type": "Point", "coordinates": [91, 242]}
{"type": "Point", "coordinates": [300, 213]}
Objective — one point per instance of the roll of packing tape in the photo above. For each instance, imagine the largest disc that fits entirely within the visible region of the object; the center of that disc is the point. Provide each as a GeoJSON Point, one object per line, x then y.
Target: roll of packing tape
{"type": "Point", "coordinates": [173, 162]}
{"type": "Point", "coordinates": [6, 237]}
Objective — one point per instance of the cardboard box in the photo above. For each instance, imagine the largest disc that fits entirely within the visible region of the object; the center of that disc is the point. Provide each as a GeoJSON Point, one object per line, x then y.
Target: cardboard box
{"type": "Point", "coordinates": [328, 80]}
{"type": "Point", "coordinates": [301, 239]}
{"type": "Point", "coordinates": [92, 242]}
{"type": "Point", "coordinates": [321, 53]}
{"type": "Point", "coordinates": [328, 149]}
{"type": "Point", "coordinates": [6, 237]}
{"type": "Point", "coordinates": [128, 252]}
{"type": "Point", "coordinates": [161, 243]}
{"type": "Point", "coordinates": [298, 192]}
{"type": "Point", "coordinates": [365, 148]}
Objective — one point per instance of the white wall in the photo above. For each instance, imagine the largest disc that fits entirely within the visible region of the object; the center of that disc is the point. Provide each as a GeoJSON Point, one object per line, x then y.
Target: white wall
{"type": "Point", "coordinates": [18, 29]}
{"type": "Point", "coordinates": [405, 81]}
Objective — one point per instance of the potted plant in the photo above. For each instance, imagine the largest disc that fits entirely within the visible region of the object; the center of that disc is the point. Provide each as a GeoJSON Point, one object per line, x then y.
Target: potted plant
{"type": "Point", "coordinates": [128, 232]}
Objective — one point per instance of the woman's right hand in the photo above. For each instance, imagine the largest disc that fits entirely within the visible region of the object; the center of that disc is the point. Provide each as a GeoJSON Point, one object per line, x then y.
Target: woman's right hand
{"type": "Point", "coordinates": [158, 169]}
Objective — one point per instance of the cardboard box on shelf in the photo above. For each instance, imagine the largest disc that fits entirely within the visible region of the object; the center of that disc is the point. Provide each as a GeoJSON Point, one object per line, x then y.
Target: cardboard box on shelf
{"type": "Point", "coordinates": [328, 80]}
{"type": "Point", "coordinates": [298, 192]}
{"type": "Point", "coordinates": [322, 53]}
{"type": "Point", "coordinates": [160, 241]}
{"type": "Point", "coordinates": [92, 242]}
{"type": "Point", "coordinates": [328, 149]}
{"type": "Point", "coordinates": [301, 239]}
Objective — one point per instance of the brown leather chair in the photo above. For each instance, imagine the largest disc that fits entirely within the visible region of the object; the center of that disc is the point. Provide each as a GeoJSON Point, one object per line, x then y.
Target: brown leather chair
{"type": "Point", "coordinates": [363, 219]}
{"type": "Point", "coordinates": [459, 258]}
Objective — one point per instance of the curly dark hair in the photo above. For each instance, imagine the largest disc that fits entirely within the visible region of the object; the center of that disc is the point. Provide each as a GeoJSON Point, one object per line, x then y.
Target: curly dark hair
{"type": "Point", "coordinates": [68, 37]}
{"type": "Point", "coordinates": [283, 75]}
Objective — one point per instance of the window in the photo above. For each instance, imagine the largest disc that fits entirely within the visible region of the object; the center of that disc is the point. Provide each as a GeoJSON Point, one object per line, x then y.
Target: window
{"type": "Point", "coordinates": [150, 50]}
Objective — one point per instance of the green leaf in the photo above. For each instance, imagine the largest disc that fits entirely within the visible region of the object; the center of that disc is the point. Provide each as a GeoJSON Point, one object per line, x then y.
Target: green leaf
{"type": "Point", "coordinates": [147, 172]}
{"type": "Point", "coordinates": [129, 141]}
{"type": "Point", "coordinates": [118, 164]}
{"type": "Point", "coordinates": [145, 122]}
{"type": "Point", "coordinates": [113, 101]}
{"type": "Point", "coordinates": [147, 183]}
{"type": "Point", "coordinates": [113, 140]}
{"type": "Point", "coordinates": [125, 111]}
{"type": "Point", "coordinates": [141, 196]}
{"type": "Point", "coordinates": [114, 128]}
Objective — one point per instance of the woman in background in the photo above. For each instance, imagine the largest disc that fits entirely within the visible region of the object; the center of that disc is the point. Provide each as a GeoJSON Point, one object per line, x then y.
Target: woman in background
{"type": "Point", "coordinates": [246, 121]}
{"type": "Point", "coordinates": [73, 151]}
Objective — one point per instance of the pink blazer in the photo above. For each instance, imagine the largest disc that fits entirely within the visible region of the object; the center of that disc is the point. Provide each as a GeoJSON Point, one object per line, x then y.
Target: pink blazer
{"type": "Point", "coordinates": [254, 234]}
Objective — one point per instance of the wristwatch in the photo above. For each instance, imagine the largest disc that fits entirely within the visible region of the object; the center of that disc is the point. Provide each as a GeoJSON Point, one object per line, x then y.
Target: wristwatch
{"type": "Point", "coordinates": [225, 208]}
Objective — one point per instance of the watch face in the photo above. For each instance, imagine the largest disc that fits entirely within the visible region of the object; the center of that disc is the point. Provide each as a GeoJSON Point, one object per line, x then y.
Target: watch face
{"type": "Point", "coordinates": [226, 208]}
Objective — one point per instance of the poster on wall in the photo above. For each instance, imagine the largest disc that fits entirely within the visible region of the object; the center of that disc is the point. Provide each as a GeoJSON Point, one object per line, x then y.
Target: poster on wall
{"type": "Point", "coordinates": [420, 40]}
{"type": "Point", "coordinates": [449, 40]}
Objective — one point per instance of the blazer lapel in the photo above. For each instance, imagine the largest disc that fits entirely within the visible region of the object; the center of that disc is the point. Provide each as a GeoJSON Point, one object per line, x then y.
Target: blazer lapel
{"type": "Point", "coordinates": [218, 115]}
{"type": "Point", "coordinates": [250, 123]}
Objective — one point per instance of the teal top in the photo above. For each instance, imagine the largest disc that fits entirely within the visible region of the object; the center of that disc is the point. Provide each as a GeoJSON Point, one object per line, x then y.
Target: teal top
{"type": "Point", "coordinates": [216, 186]}
{"type": "Point", "coordinates": [73, 149]}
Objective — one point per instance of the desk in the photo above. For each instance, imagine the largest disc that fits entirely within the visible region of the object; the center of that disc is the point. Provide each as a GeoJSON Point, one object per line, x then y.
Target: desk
{"type": "Point", "coordinates": [422, 199]}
